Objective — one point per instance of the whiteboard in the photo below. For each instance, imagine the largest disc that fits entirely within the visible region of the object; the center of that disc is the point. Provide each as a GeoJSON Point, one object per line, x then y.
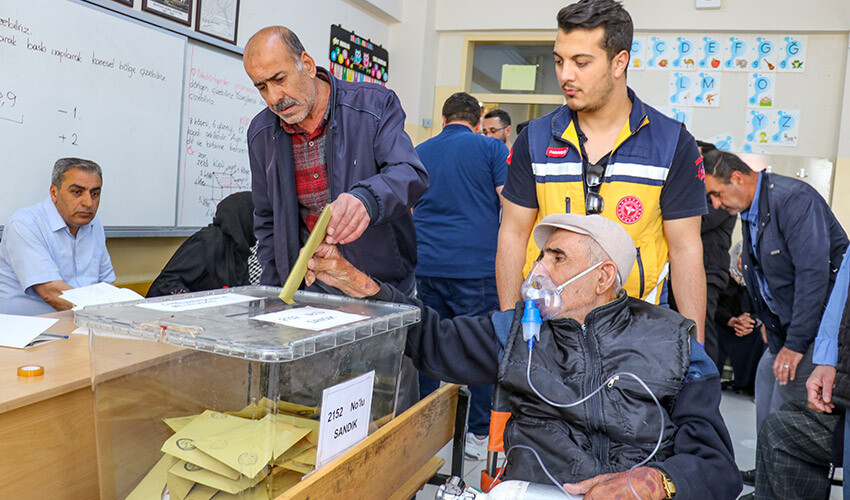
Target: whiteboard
{"type": "Point", "coordinates": [77, 81]}
{"type": "Point", "coordinates": [219, 103]}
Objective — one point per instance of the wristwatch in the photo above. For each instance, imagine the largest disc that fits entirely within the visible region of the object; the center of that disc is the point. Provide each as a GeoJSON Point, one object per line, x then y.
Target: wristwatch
{"type": "Point", "coordinates": [667, 483]}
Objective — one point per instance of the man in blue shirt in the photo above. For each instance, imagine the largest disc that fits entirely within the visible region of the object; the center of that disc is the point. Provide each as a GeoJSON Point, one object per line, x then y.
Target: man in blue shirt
{"type": "Point", "coordinates": [55, 245]}
{"type": "Point", "coordinates": [455, 273]}
{"type": "Point", "coordinates": [820, 383]}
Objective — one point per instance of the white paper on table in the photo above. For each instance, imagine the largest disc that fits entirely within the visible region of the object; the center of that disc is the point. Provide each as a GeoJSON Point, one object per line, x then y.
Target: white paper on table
{"type": "Point", "coordinates": [100, 293]}
{"type": "Point", "coordinates": [197, 302]}
{"type": "Point", "coordinates": [310, 318]}
{"type": "Point", "coordinates": [81, 331]}
{"type": "Point", "coordinates": [19, 331]}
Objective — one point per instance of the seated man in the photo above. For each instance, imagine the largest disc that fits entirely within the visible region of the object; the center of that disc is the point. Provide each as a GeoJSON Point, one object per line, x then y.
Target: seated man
{"type": "Point", "coordinates": [55, 245]}
{"type": "Point", "coordinates": [214, 257]}
{"type": "Point", "coordinates": [596, 333]}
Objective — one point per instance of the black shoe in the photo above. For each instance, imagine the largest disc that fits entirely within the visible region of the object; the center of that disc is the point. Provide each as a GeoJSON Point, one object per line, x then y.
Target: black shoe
{"type": "Point", "coordinates": [749, 496]}
{"type": "Point", "coordinates": [748, 476]}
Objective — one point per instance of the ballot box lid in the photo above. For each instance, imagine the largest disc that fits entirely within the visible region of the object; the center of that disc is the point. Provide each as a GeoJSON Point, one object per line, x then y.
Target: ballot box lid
{"type": "Point", "coordinates": [249, 322]}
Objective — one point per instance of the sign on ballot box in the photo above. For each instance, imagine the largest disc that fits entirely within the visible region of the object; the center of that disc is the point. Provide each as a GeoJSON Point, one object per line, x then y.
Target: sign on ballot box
{"type": "Point", "coordinates": [345, 416]}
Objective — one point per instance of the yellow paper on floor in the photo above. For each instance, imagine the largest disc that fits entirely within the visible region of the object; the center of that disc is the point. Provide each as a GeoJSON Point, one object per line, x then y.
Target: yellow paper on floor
{"type": "Point", "coordinates": [296, 449]}
{"type": "Point", "coordinates": [244, 445]}
{"type": "Point", "coordinates": [183, 443]}
{"type": "Point", "coordinates": [178, 487]}
{"type": "Point", "coordinates": [201, 492]}
{"type": "Point", "coordinates": [153, 484]}
{"type": "Point", "coordinates": [193, 473]}
{"type": "Point", "coordinates": [177, 423]}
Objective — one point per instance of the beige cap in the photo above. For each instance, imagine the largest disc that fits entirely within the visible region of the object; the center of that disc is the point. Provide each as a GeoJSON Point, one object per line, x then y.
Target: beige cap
{"type": "Point", "coordinates": [611, 236]}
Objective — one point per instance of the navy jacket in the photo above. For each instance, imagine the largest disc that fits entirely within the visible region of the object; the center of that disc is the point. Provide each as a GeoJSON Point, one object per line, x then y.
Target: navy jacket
{"type": "Point", "coordinates": [368, 155]}
{"type": "Point", "coordinates": [799, 247]}
{"type": "Point", "coordinates": [467, 350]}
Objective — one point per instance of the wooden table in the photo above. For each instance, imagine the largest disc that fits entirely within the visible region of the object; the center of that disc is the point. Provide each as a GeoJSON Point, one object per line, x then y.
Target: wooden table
{"type": "Point", "coordinates": [47, 432]}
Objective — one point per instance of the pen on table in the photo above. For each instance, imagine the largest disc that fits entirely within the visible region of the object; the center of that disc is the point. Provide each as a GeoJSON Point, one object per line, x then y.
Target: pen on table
{"type": "Point", "coordinates": [54, 335]}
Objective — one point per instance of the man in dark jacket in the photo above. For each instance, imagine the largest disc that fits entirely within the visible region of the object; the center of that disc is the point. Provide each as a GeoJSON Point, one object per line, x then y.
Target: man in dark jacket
{"type": "Point", "coordinates": [325, 141]}
{"type": "Point", "coordinates": [596, 334]}
{"type": "Point", "coordinates": [793, 245]}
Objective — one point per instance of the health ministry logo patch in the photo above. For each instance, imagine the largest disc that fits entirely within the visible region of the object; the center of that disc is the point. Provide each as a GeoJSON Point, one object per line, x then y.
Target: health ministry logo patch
{"type": "Point", "coordinates": [629, 210]}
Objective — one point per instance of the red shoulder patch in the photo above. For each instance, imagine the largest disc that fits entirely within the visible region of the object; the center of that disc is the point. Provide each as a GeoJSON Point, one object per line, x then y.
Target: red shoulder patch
{"type": "Point", "coordinates": [700, 169]}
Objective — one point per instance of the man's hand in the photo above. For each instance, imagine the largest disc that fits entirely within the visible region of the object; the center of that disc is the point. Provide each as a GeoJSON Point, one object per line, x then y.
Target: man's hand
{"type": "Point", "coordinates": [646, 481]}
{"type": "Point", "coordinates": [785, 365]}
{"type": "Point", "coordinates": [819, 387]}
{"type": "Point", "coordinates": [349, 219]}
{"type": "Point", "coordinates": [742, 324]}
{"type": "Point", "coordinates": [50, 292]}
{"type": "Point", "coordinates": [329, 266]}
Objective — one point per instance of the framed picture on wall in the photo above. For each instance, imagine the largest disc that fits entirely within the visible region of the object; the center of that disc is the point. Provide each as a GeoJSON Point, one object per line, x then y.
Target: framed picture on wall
{"type": "Point", "coordinates": [128, 3]}
{"type": "Point", "coordinates": [177, 10]}
{"type": "Point", "coordinates": [218, 18]}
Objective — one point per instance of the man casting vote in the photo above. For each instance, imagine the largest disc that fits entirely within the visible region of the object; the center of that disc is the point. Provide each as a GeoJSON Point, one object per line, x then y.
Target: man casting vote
{"type": "Point", "coordinates": [323, 141]}
{"type": "Point", "coordinates": [55, 245]}
{"type": "Point", "coordinates": [591, 335]}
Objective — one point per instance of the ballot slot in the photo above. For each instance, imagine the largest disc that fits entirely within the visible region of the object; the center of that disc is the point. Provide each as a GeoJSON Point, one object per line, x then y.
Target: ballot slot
{"type": "Point", "coordinates": [212, 399]}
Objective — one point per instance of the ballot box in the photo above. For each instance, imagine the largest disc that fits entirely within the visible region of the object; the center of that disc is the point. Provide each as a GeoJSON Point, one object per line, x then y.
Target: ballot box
{"type": "Point", "coordinates": [220, 394]}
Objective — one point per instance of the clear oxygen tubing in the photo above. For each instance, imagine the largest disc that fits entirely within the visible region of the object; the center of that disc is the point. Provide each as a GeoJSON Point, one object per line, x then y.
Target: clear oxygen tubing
{"type": "Point", "coordinates": [531, 331]}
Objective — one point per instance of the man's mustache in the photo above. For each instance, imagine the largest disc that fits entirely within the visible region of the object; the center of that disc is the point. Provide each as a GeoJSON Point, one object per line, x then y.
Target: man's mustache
{"type": "Point", "coordinates": [284, 103]}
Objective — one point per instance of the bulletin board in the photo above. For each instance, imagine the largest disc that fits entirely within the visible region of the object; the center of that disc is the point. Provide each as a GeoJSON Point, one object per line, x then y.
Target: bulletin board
{"type": "Point", "coordinates": [775, 93]}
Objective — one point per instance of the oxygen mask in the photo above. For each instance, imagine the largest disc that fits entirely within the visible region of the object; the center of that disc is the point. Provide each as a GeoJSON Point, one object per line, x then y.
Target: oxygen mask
{"type": "Point", "coordinates": [541, 288]}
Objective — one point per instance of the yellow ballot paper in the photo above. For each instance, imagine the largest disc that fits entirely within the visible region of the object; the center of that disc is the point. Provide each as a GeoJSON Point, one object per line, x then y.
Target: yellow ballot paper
{"type": "Point", "coordinates": [182, 444]}
{"type": "Point", "coordinates": [298, 467]}
{"type": "Point", "coordinates": [194, 473]}
{"type": "Point", "coordinates": [201, 492]}
{"type": "Point", "coordinates": [244, 445]}
{"type": "Point", "coordinates": [177, 423]}
{"type": "Point", "coordinates": [296, 274]}
{"type": "Point", "coordinates": [306, 423]}
{"type": "Point", "coordinates": [178, 488]}
{"type": "Point", "coordinates": [286, 436]}
{"type": "Point", "coordinates": [282, 480]}
{"type": "Point", "coordinates": [296, 450]}
{"type": "Point", "coordinates": [153, 484]}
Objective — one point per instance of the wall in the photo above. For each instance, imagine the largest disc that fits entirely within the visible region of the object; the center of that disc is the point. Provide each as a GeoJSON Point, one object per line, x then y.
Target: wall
{"type": "Point", "coordinates": [456, 19]}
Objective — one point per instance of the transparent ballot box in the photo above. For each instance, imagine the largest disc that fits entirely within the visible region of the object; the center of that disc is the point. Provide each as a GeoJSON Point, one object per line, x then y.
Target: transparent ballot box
{"type": "Point", "coordinates": [219, 394]}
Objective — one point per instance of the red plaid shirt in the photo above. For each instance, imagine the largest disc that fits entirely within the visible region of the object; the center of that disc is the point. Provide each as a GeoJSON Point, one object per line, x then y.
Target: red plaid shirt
{"type": "Point", "coordinates": [311, 169]}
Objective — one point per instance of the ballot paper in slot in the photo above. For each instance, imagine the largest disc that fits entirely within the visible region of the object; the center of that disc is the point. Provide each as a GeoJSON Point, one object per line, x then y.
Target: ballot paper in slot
{"type": "Point", "coordinates": [253, 388]}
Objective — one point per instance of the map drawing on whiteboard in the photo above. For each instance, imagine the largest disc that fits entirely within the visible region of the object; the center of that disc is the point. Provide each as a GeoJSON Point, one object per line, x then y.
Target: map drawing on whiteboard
{"type": "Point", "coordinates": [221, 102]}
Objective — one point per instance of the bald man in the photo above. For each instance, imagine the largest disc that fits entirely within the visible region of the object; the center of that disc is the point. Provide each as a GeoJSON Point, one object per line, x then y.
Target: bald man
{"type": "Point", "coordinates": [326, 141]}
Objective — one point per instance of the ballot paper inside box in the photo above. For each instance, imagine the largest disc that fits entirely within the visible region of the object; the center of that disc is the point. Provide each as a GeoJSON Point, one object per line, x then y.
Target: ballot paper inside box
{"type": "Point", "coordinates": [219, 393]}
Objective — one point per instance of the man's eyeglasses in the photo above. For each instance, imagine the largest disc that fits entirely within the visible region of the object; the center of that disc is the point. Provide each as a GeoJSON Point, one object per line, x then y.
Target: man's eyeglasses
{"type": "Point", "coordinates": [492, 130]}
{"type": "Point", "coordinates": [593, 202]}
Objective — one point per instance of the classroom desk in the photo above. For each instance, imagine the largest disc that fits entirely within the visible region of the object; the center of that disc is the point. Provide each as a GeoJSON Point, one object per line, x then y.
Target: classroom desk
{"type": "Point", "coordinates": [47, 432]}
{"type": "Point", "coordinates": [47, 435]}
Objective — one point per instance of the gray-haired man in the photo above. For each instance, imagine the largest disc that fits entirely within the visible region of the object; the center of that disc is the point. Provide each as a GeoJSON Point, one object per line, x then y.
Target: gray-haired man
{"type": "Point", "coordinates": [55, 245]}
